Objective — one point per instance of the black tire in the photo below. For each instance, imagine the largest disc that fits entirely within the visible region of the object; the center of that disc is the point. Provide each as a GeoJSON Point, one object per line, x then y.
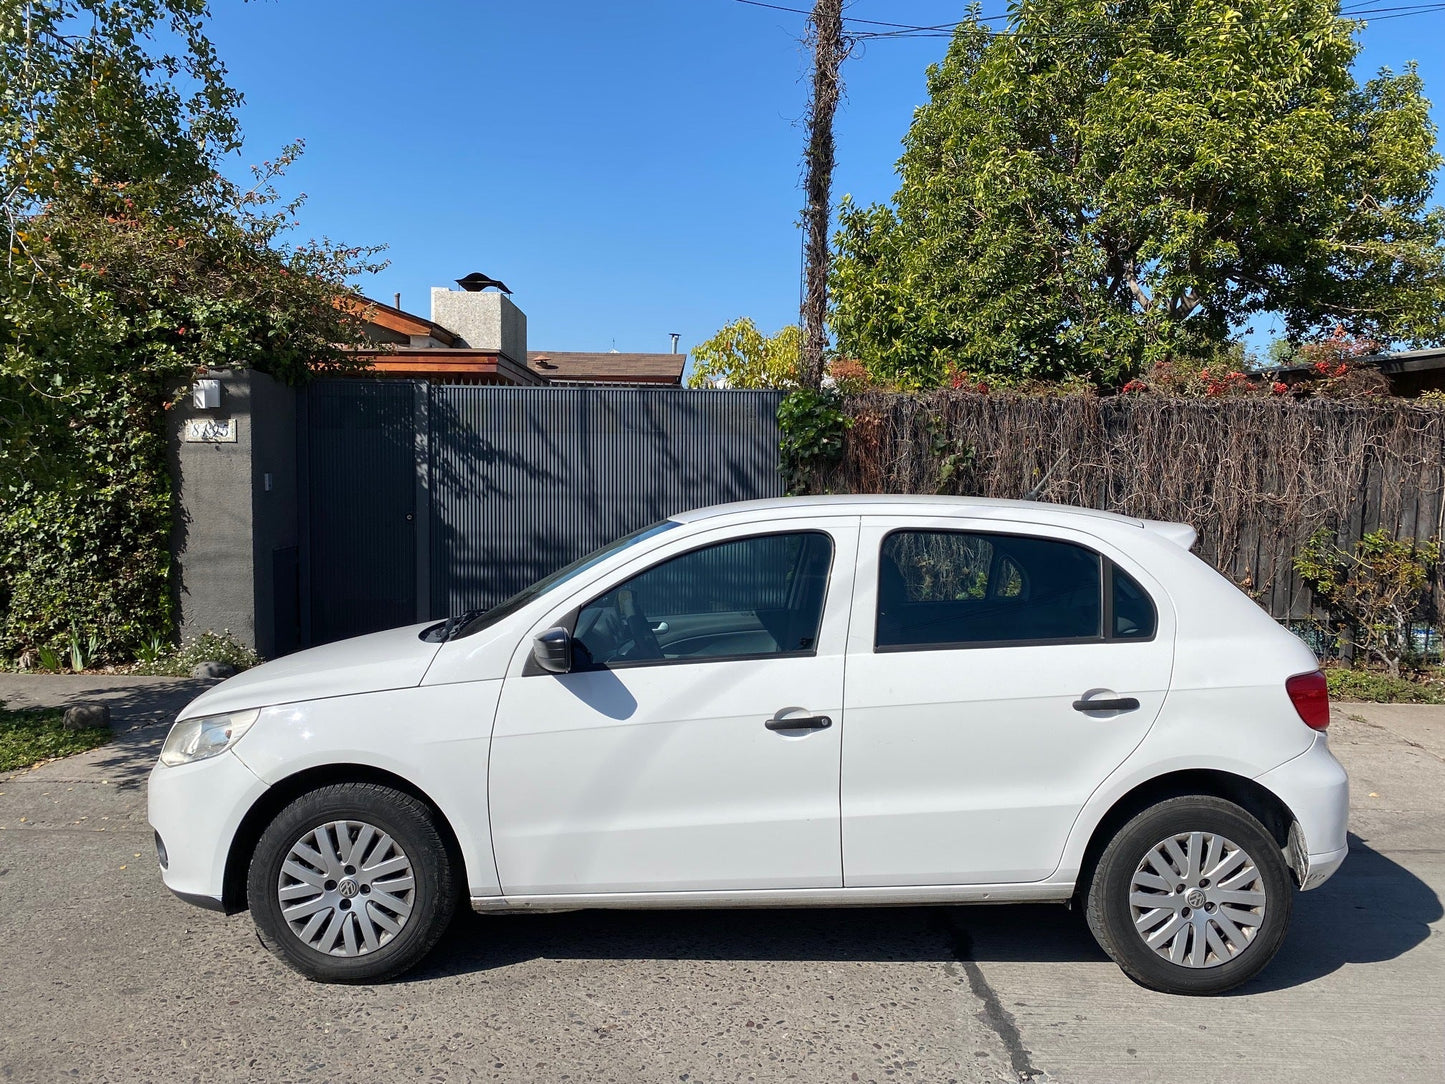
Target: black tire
{"type": "Point", "coordinates": [353, 902]}
{"type": "Point", "coordinates": [1111, 916]}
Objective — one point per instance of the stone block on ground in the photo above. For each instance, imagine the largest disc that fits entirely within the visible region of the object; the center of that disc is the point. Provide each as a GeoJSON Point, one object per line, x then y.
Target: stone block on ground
{"type": "Point", "coordinates": [86, 716]}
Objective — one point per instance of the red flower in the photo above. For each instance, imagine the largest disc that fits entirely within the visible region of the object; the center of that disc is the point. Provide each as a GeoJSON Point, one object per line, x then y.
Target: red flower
{"type": "Point", "coordinates": [1341, 369]}
{"type": "Point", "coordinates": [1322, 367]}
{"type": "Point", "coordinates": [180, 331]}
{"type": "Point", "coordinates": [1279, 388]}
{"type": "Point", "coordinates": [1135, 386]}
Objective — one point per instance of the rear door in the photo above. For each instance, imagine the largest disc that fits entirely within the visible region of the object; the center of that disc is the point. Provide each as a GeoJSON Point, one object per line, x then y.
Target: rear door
{"type": "Point", "coordinates": [975, 654]}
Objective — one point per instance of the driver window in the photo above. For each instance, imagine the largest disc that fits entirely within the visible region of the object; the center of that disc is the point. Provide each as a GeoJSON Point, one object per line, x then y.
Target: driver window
{"type": "Point", "coordinates": [748, 597]}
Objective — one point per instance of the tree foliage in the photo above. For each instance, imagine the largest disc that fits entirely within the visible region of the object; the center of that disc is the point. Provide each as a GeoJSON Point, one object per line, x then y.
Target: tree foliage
{"type": "Point", "coordinates": [134, 262]}
{"type": "Point", "coordinates": [1108, 185]}
{"type": "Point", "coordinates": [741, 356]}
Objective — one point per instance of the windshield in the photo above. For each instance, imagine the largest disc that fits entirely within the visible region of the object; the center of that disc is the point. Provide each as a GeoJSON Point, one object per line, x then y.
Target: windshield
{"type": "Point", "coordinates": [566, 572]}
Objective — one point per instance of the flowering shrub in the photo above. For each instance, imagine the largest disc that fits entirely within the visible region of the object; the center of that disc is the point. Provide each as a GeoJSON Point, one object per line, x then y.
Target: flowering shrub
{"type": "Point", "coordinates": [1338, 348]}
{"type": "Point", "coordinates": [849, 375]}
{"type": "Point", "coordinates": [962, 380]}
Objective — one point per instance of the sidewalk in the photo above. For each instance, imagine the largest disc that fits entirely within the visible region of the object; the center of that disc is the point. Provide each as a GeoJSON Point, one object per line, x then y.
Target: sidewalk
{"type": "Point", "coordinates": [141, 711]}
{"type": "Point", "coordinates": [1418, 725]}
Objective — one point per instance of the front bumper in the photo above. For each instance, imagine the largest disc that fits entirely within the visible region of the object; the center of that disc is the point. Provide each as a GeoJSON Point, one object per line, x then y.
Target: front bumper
{"type": "Point", "coordinates": [1317, 791]}
{"type": "Point", "coordinates": [196, 809]}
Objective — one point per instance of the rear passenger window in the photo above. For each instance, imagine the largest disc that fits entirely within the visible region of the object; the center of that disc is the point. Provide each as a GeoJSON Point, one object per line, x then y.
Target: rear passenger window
{"type": "Point", "coordinates": [1133, 617]}
{"type": "Point", "coordinates": [962, 588]}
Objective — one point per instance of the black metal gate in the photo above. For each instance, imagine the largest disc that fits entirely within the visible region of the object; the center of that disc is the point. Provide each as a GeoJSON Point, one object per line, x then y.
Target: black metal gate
{"type": "Point", "coordinates": [359, 507]}
{"type": "Point", "coordinates": [428, 500]}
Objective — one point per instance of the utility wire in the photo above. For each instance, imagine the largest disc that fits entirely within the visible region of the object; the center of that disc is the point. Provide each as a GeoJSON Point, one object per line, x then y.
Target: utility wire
{"type": "Point", "coordinates": [947, 30]}
{"type": "Point", "coordinates": [850, 19]}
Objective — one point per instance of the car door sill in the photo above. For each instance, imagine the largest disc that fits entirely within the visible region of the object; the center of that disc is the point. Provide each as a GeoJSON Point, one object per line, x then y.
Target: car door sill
{"type": "Point", "coordinates": [1033, 892]}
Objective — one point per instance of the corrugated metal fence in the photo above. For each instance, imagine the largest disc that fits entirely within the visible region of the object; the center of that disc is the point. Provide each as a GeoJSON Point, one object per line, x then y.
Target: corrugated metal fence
{"type": "Point", "coordinates": [524, 480]}
{"type": "Point", "coordinates": [507, 484]}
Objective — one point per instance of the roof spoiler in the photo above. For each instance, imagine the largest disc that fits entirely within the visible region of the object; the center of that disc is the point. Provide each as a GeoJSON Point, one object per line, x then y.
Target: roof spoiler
{"type": "Point", "coordinates": [1181, 534]}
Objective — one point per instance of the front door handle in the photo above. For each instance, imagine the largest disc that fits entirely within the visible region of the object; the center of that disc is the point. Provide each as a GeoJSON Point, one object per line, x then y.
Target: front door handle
{"type": "Point", "coordinates": [1118, 703]}
{"type": "Point", "coordinates": [806, 722]}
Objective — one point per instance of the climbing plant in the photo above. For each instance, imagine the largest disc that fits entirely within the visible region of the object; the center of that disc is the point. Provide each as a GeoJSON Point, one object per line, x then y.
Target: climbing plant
{"type": "Point", "coordinates": [135, 261]}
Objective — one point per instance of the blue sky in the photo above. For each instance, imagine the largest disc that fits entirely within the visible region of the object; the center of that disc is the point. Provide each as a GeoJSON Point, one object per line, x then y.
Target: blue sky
{"type": "Point", "coordinates": [629, 169]}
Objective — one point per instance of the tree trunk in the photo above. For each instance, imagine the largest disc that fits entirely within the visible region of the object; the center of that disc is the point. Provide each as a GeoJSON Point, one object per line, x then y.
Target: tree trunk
{"type": "Point", "coordinates": [827, 25]}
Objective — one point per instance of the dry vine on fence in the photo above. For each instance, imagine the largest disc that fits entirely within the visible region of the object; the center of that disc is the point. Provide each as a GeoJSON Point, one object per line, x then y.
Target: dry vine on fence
{"type": "Point", "coordinates": [1256, 477]}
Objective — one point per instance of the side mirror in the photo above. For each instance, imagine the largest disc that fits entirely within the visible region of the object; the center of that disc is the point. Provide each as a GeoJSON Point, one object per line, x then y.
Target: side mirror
{"type": "Point", "coordinates": [553, 651]}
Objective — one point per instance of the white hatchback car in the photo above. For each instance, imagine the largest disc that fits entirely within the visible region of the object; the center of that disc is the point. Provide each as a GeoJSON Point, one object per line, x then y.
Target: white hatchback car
{"type": "Point", "coordinates": [800, 702]}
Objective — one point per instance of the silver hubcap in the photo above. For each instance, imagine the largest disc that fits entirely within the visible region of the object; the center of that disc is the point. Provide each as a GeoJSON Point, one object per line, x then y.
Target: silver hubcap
{"type": "Point", "coordinates": [1197, 899]}
{"type": "Point", "coordinates": [346, 888]}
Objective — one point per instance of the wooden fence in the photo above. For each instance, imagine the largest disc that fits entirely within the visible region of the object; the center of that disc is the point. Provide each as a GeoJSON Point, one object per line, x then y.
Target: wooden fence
{"type": "Point", "coordinates": [1254, 476]}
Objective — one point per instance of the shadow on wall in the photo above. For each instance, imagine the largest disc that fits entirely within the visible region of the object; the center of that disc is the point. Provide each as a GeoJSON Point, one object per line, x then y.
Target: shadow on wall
{"type": "Point", "coordinates": [525, 480]}
{"type": "Point", "coordinates": [1372, 911]}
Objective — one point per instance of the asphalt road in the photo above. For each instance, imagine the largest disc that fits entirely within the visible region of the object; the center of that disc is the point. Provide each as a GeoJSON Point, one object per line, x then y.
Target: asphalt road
{"type": "Point", "coordinates": [105, 977]}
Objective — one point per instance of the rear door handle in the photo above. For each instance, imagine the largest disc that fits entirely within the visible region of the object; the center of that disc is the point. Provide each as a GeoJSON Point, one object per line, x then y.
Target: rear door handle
{"type": "Point", "coordinates": [806, 722]}
{"type": "Point", "coordinates": [1119, 703]}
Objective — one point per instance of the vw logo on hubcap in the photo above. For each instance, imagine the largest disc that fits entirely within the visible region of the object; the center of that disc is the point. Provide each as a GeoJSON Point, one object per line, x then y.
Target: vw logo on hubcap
{"type": "Point", "coordinates": [348, 889]}
{"type": "Point", "coordinates": [1194, 899]}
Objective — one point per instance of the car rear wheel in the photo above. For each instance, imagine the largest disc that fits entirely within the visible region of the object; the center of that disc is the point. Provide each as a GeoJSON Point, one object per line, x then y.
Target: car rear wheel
{"type": "Point", "coordinates": [1192, 896]}
{"type": "Point", "coordinates": [351, 883]}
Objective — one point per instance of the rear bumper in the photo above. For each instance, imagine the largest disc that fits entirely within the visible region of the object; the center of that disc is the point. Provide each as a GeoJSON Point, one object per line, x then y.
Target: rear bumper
{"type": "Point", "coordinates": [1322, 868]}
{"type": "Point", "coordinates": [1317, 791]}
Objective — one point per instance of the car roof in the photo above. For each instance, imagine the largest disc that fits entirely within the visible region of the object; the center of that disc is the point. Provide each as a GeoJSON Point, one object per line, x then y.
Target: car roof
{"type": "Point", "coordinates": [886, 503]}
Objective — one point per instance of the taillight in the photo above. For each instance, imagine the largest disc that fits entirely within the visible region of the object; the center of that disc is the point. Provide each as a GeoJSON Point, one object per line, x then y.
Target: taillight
{"type": "Point", "coordinates": [1310, 694]}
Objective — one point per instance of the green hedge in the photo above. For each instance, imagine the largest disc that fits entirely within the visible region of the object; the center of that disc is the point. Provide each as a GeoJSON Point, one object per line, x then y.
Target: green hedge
{"type": "Point", "coordinates": [1370, 687]}
{"type": "Point", "coordinates": [90, 551]}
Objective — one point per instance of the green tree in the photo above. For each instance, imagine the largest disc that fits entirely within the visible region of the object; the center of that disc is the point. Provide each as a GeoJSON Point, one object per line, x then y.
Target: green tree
{"type": "Point", "coordinates": [133, 263]}
{"type": "Point", "coordinates": [1107, 185]}
{"type": "Point", "coordinates": [741, 356]}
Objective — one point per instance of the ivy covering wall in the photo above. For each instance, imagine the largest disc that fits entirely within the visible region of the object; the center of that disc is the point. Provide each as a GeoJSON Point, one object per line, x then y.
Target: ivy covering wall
{"type": "Point", "coordinates": [87, 551]}
{"type": "Point", "coordinates": [135, 261]}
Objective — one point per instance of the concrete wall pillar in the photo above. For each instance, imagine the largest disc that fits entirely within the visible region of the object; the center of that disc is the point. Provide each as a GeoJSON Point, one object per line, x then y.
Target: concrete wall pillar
{"type": "Point", "coordinates": [235, 536]}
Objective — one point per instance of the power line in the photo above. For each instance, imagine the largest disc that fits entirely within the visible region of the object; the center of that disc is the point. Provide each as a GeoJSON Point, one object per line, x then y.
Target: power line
{"type": "Point", "coordinates": [862, 22]}
{"type": "Point", "coordinates": [947, 30]}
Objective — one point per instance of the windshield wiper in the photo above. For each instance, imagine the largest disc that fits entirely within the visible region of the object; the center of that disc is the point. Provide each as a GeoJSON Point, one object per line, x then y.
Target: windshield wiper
{"type": "Point", "coordinates": [456, 622]}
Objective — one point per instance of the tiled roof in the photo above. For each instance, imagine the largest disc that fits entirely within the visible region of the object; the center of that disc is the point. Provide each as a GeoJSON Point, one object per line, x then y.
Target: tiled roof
{"type": "Point", "coordinates": [564, 366]}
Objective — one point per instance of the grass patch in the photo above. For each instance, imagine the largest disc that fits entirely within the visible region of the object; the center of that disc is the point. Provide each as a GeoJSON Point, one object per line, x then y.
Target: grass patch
{"type": "Point", "coordinates": [28, 737]}
{"type": "Point", "coordinates": [1373, 688]}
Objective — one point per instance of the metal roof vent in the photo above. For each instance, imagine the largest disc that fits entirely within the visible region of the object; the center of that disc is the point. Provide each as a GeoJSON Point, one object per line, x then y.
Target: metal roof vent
{"type": "Point", "coordinates": [476, 282]}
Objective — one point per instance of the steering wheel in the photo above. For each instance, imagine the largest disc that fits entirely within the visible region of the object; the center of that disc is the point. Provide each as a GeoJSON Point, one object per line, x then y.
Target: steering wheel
{"type": "Point", "coordinates": [644, 643]}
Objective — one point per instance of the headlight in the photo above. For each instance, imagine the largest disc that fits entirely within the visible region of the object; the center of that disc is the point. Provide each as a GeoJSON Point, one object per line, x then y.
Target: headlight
{"type": "Point", "coordinates": [197, 739]}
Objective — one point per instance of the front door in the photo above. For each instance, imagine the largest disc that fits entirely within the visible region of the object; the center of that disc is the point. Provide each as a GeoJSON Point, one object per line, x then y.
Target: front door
{"type": "Point", "coordinates": [975, 655]}
{"type": "Point", "coordinates": [696, 745]}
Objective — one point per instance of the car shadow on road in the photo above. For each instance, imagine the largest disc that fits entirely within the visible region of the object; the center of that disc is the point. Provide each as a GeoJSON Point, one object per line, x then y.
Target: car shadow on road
{"type": "Point", "coordinates": [1373, 910]}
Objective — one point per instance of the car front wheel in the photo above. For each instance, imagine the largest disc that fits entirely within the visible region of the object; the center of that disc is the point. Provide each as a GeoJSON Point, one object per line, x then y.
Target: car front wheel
{"type": "Point", "coordinates": [1192, 896]}
{"type": "Point", "coordinates": [351, 883]}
